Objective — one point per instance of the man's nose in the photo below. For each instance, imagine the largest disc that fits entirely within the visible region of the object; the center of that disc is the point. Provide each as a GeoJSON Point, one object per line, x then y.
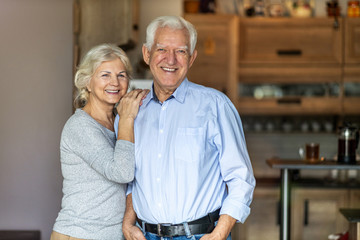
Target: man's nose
{"type": "Point", "coordinates": [171, 57]}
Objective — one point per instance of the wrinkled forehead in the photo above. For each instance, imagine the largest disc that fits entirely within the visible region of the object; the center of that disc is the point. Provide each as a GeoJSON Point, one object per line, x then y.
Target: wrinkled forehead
{"type": "Point", "coordinates": [169, 36]}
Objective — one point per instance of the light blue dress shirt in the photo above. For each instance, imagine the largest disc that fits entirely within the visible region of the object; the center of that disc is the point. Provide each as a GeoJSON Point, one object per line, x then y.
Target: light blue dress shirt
{"type": "Point", "coordinates": [187, 150]}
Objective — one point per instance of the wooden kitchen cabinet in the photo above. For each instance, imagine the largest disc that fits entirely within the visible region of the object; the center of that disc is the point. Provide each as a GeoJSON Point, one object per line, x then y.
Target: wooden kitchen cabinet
{"type": "Point", "coordinates": [315, 212]}
{"type": "Point", "coordinates": [352, 67]}
{"type": "Point", "coordinates": [290, 66]}
{"type": "Point", "coordinates": [290, 42]}
{"type": "Point", "coordinates": [217, 45]}
{"type": "Point", "coordinates": [263, 222]}
{"type": "Point", "coordinates": [352, 41]}
{"type": "Point", "coordinates": [354, 199]}
{"type": "Point", "coordinates": [280, 66]}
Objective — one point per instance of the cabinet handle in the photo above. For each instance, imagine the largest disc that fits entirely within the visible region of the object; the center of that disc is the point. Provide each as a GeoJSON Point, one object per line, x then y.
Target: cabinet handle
{"type": "Point", "coordinates": [289, 101]}
{"type": "Point", "coordinates": [278, 213]}
{"type": "Point", "coordinates": [291, 52]}
{"type": "Point", "coordinates": [306, 212]}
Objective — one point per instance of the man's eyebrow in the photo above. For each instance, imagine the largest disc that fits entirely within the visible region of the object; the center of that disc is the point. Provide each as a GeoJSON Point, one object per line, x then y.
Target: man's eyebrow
{"type": "Point", "coordinates": [162, 46]}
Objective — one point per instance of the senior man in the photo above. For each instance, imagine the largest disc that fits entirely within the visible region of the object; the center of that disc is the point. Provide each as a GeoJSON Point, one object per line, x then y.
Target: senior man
{"type": "Point", "coordinates": [193, 176]}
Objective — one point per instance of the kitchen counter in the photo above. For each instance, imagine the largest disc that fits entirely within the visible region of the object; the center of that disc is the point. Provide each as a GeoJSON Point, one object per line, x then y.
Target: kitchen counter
{"type": "Point", "coordinates": [286, 166]}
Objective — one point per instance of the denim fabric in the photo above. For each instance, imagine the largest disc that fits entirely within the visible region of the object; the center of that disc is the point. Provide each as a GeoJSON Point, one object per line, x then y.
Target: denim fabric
{"type": "Point", "coordinates": [151, 236]}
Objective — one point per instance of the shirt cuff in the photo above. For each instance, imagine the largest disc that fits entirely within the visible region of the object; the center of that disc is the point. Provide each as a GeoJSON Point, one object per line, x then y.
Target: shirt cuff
{"type": "Point", "coordinates": [240, 213]}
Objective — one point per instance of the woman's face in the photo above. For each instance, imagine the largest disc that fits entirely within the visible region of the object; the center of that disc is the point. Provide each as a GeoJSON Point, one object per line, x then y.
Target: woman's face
{"type": "Point", "coordinates": [109, 83]}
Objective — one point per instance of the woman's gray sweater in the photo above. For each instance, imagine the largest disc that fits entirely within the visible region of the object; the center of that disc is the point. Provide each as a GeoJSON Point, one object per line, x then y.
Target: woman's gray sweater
{"type": "Point", "coordinates": [96, 168]}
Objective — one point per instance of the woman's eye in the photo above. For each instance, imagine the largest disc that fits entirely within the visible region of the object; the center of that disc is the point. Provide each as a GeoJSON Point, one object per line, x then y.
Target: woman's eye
{"type": "Point", "coordinates": [121, 76]}
{"type": "Point", "coordinates": [105, 76]}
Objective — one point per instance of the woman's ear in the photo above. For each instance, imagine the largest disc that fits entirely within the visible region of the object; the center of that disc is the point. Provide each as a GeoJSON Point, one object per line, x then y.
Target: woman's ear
{"type": "Point", "coordinates": [88, 88]}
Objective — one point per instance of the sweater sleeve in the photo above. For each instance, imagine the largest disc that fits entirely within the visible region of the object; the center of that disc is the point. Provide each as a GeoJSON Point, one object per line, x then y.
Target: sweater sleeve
{"type": "Point", "coordinates": [84, 138]}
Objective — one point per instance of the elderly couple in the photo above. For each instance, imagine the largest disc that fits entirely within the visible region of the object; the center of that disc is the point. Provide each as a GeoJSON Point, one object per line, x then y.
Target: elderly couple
{"type": "Point", "coordinates": [171, 163]}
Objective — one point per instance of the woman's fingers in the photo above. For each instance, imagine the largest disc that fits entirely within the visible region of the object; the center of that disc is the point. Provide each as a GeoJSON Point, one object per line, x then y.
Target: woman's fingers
{"type": "Point", "coordinates": [130, 102]}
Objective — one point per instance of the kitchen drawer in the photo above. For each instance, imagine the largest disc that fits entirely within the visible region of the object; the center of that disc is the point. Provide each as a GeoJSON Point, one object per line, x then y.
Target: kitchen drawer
{"type": "Point", "coordinates": [315, 213]}
{"type": "Point", "coordinates": [287, 41]}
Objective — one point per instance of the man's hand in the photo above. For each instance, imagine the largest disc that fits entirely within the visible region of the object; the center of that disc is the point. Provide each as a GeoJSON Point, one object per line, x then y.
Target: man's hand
{"type": "Point", "coordinates": [130, 230]}
{"type": "Point", "coordinates": [133, 233]}
{"type": "Point", "coordinates": [222, 229]}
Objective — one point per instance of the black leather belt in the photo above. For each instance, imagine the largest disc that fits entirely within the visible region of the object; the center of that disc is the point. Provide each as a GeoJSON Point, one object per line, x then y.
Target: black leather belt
{"type": "Point", "coordinates": [200, 226]}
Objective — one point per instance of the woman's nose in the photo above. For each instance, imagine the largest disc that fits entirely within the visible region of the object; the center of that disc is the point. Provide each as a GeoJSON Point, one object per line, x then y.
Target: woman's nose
{"type": "Point", "coordinates": [114, 80]}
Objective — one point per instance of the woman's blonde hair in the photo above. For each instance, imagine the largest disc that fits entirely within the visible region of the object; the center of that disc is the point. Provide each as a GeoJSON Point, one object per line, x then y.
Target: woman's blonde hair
{"type": "Point", "coordinates": [91, 61]}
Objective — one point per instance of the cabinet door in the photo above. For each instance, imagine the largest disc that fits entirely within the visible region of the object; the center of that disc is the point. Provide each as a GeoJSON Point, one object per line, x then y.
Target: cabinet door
{"type": "Point", "coordinates": [215, 65]}
{"type": "Point", "coordinates": [315, 213]}
{"type": "Point", "coordinates": [354, 199]}
{"type": "Point", "coordinates": [263, 222]}
{"type": "Point", "coordinates": [290, 41]}
{"type": "Point", "coordinates": [287, 66]}
{"type": "Point", "coordinates": [352, 41]}
{"type": "Point", "coordinates": [352, 67]}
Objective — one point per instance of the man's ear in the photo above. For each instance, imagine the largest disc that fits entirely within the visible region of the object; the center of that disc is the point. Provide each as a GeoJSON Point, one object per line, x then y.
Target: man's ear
{"type": "Point", "coordinates": [146, 54]}
{"type": "Point", "coordinates": [192, 58]}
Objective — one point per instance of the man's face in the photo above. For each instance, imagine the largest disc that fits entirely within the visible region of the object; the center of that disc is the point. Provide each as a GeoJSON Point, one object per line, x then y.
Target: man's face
{"type": "Point", "coordinates": [169, 58]}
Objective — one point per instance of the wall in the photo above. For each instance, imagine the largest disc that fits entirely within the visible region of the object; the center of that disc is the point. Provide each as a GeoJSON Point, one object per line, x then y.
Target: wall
{"type": "Point", "coordinates": [35, 102]}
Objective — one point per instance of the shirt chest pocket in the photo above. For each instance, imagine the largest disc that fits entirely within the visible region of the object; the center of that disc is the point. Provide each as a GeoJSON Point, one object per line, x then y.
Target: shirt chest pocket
{"type": "Point", "coordinates": [190, 144]}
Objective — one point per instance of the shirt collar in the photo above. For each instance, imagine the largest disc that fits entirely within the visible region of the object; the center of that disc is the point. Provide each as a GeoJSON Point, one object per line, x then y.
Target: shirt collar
{"type": "Point", "coordinates": [179, 93]}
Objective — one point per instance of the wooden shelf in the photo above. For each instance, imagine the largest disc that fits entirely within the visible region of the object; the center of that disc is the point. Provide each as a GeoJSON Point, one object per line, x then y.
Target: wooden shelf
{"type": "Point", "coordinates": [305, 105]}
{"type": "Point", "coordinates": [233, 50]}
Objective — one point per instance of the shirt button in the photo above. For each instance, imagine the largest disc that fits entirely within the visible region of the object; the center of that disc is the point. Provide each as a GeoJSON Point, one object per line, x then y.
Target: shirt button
{"type": "Point", "coordinates": [159, 155]}
{"type": "Point", "coordinates": [158, 179]}
{"type": "Point", "coordinates": [159, 204]}
{"type": "Point", "coordinates": [163, 108]}
{"type": "Point", "coordinates": [161, 131]}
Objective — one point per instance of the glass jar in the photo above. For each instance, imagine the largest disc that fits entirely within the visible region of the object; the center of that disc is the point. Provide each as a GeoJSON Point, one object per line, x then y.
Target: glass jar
{"type": "Point", "coordinates": [333, 9]}
{"type": "Point", "coordinates": [353, 9]}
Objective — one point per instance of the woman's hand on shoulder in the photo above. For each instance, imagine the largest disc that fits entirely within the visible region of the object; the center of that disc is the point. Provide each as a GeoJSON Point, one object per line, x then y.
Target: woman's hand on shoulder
{"type": "Point", "coordinates": [129, 104]}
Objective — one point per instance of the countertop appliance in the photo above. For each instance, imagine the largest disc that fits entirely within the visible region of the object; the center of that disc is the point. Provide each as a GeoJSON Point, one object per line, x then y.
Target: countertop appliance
{"type": "Point", "coordinates": [347, 144]}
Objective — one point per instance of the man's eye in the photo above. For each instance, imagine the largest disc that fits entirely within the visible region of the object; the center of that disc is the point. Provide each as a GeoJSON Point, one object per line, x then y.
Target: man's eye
{"type": "Point", "coordinates": [181, 51]}
{"type": "Point", "coordinates": [161, 50]}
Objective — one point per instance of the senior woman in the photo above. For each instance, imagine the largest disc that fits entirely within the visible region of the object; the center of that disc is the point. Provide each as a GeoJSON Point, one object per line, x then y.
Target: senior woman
{"type": "Point", "coordinates": [95, 165]}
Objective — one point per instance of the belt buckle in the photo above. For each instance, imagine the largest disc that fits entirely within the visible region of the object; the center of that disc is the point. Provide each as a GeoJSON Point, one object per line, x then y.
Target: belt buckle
{"type": "Point", "coordinates": [159, 229]}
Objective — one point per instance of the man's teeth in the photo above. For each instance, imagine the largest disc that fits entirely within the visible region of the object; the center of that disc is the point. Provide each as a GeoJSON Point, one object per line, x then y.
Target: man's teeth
{"type": "Point", "coordinates": [169, 69]}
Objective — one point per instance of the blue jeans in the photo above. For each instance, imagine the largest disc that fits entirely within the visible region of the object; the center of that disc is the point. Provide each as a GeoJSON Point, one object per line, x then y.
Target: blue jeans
{"type": "Point", "coordinates": [151, 236]}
